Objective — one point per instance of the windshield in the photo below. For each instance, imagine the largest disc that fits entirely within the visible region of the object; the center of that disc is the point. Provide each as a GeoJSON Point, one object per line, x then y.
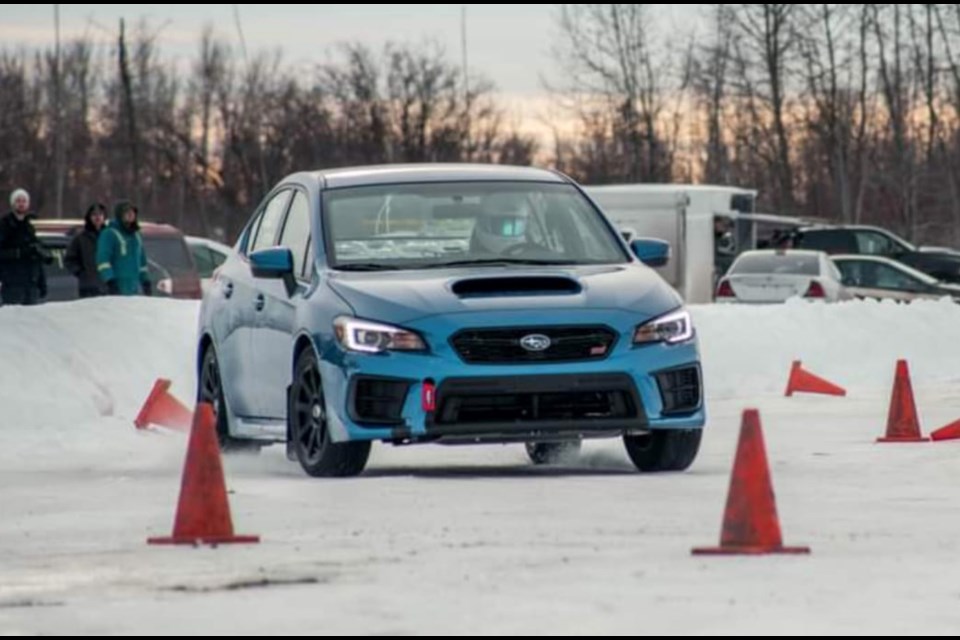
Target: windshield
{"type": "Point", "coordinates": [417, 226]}
{"type": "Point", "coordinates": [806, 264]}
{"type": "Point", "coordinates": [170, 252]}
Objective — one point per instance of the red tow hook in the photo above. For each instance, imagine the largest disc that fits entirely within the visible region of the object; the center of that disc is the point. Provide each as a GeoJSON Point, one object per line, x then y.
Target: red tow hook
{"type": "Point", "coordinates": [428, 396]}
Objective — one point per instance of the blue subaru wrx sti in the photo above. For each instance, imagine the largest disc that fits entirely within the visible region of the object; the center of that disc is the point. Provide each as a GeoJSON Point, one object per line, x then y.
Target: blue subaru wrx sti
{"type": "Point", "coordinates": [448, 304]}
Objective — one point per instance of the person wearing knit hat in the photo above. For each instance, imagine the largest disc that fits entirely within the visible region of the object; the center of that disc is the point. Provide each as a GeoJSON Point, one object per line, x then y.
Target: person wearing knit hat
{"type": "Point", "coordinates": [20, 200]}
{"type": "Point", "coordinates": [22, 279]}
{"type": "Point", "coordinates": [121, 259]}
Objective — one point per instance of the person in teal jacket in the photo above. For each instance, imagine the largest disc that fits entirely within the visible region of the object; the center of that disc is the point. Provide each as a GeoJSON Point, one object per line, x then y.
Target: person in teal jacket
{"type": "Point", "coordinates": [121, 259]}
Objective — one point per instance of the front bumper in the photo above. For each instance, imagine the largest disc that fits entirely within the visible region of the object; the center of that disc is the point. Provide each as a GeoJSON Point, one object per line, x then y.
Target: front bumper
{"type": "Point", "coordinates": [634, 389]}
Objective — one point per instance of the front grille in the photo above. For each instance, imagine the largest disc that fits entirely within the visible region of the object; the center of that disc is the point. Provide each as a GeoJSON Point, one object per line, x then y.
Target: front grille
{"type": "Point", "coordinates": [536, 400]}
{"type": "Point", "coordinates": [537, 407]}
{"type": "Point", "coordinates": [378, 400]}
{"type": "Point", "coordinates": [679, 390]}
{"type": "Point", "coordinates": [505, 346]}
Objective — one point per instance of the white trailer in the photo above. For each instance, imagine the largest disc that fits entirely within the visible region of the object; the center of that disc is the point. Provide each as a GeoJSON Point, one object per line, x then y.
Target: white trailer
{"type": "Point", "coordinates": [692, 218]}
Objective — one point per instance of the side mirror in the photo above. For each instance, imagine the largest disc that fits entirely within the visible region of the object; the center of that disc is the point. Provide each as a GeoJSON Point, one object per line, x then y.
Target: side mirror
{"type": "Point", "coordinates": [653, 253]}
{"type": "Point", "coordinates": [275, 263]}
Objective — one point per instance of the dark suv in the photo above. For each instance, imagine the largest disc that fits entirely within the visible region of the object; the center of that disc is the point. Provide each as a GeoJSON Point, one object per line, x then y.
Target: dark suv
{"type": "Point", "coordinates": [942, 264]}
{"type": "Point", "coordinates": [171, 267]}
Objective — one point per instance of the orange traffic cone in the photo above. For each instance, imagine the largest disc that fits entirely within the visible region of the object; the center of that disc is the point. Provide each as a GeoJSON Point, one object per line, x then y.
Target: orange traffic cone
{"type": "Point", "coordinates": [203, 513]}
{"type": "Point", "coordinates": [804, 381]}
{"type": "Point", "coordinates": [902, 422]}
{"type": "Point", "coordinates": [949, 432]}
{"type": "Point", "coordinates": [163, 409]}
{"type": "Point", "coordinates": [750, 523]}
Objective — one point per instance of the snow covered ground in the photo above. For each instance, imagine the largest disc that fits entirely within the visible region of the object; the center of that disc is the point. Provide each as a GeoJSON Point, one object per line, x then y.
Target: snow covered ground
{"type": "Point", "coordinates": [474, 540]}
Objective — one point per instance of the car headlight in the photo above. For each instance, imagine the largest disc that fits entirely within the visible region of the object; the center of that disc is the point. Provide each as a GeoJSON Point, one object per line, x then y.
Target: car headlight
{"type": "Point", "coordinates": [673, 328]}
{"type": "Point", "coordinates": [372, 337]}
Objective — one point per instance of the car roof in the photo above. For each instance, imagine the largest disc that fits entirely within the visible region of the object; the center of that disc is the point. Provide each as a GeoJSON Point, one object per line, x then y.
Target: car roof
{"type": "Point", "coordinates": [427, 172]}
{"type": "Point", "coordinates": [71, 225]}
{"type": "Point", "coordinates": [207, 242]}
{"type": "Point", "coordinates": [56, 237]}
{"type": "Point", "coordinates": [782, 252]}
{"type": "Point", "coordinates": [846, 227]}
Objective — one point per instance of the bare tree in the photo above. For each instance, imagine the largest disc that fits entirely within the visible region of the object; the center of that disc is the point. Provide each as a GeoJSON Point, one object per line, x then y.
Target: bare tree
{"type": "Point", "coordinates": [948, 26]}
{"type": "Point", "coordinates": [129, 109]}
{"type": "Point", "coordinates": [898, 162]}
{"type": "Point", "coordinates": [209, 77]}
{"type": "Point", "coordinates": [517, 149]}
{"type": "Point", "coordinates": [21, 126]}
{"type": "Point", "coordinates": [712, 67]}
{"type": "Point", "coordinates": [58, 123]}
{"type": "Point", "coordinates": [867, 113]}
{"type": "Point", "coordinates": [616, 80]}
{"type": "Point", "coordinates": [79, 77]}
{"type": "Point", "coordinates": [354, 87]}
{"type": "Point", "coordinates": [829, 51]}
{"type": "Point", "coordinates": [769, 35]}
{"type": "Point", "coordinates": [425, 105]}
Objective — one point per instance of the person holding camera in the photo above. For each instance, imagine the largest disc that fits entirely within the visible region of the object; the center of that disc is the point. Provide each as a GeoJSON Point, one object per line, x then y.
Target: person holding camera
{"type": "Point", "coordinates": [22, 256]}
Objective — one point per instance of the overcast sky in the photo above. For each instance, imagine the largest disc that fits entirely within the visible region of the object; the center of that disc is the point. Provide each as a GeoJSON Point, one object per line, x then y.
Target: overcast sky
{"type": "Point", "coordinates": [509, 44]}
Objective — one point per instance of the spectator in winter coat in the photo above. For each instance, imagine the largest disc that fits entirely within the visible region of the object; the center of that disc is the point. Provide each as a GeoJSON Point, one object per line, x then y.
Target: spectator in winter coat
{"type": "Point", "coordinates": [81, 256]}
{"type": "Point", "coordinates": [22, 280]}
{"type": "Point", "coordinates": [121, 259]}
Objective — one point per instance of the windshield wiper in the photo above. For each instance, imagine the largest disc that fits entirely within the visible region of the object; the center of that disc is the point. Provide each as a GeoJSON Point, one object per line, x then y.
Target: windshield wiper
{"type": "Point", "coordinates": [497, 262]}
{"type": "Point", "coordinates": [365, 266]}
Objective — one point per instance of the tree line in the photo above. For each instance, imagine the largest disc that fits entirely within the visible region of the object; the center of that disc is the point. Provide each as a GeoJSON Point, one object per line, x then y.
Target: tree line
{"type": "Point", "coordinates": [845, 112]}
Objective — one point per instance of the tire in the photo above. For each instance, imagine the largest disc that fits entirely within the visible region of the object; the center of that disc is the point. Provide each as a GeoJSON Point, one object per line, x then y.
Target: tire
{"type": "Point", "coordinates": [211, 391]}
{"type": "Point", "coordinates": [664, 449]}
{"type": "Point", "coordinates": [319, 456]}
{"type": "Point", "coordinates": [553, 452]}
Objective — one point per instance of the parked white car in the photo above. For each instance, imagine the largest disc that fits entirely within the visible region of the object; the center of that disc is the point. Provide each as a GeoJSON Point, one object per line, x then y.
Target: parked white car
{"type": "Point", "coordinates": [770, 276]}
{"type": "Point", "coordinates": [208, 255]}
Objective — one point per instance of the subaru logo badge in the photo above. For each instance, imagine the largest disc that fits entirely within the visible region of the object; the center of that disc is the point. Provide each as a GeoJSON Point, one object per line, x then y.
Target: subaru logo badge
{"type": "Point", "coordinates": [535, 342]}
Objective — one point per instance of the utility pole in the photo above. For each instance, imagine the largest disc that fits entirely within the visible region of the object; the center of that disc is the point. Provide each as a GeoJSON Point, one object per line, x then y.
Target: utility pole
{"type": "Point", "coordinates": [58, 133]}
{"type": "Point", "coordinates": [264, 185]}
{"type": "Point", "coordinates": [466, 81]}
